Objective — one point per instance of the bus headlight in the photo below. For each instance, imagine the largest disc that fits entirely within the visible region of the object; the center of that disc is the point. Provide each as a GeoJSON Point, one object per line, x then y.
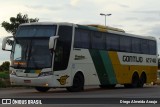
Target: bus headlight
{"type": "Point", "coordinates": [45, 73]}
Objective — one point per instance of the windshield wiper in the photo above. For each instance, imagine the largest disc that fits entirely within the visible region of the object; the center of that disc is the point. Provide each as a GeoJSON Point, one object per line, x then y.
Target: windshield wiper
{"type": "Point", "coordinates": [28, 56]}
{"type": "Point", "coordinates": [25, 54]}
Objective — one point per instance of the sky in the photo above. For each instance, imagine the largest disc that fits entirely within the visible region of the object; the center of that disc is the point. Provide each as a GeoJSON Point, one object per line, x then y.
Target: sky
{"type": "Point", "coordinates": [140, 17]}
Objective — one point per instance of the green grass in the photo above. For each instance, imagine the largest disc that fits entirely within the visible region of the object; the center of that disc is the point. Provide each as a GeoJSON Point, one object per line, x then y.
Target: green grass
{"type": "Point", "coordinates": [4, 79]}
{"type": "Point", "coordinates": [4, 75]}
{"type": "Point", "coordinates": [2, 84]}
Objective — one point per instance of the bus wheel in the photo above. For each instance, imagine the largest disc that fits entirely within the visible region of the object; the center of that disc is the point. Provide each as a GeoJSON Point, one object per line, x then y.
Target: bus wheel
{"type": "Point", "coordinates": [107, 86]}
{"type": "Point", "coordinates": [142, 80]}
{"type": "Point", "coordinates": [42, 89]}
{"type": "Point", "coordinates": [78, 83]}
{"type": "Point", "coordinates": [135, 80]}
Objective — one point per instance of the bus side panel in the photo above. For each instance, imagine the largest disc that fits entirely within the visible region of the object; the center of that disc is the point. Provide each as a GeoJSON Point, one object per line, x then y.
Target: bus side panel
{"type": "Point", "coordinates": [121, 71]}
{"type": "Point", "coordinates": [124, 72]}
{"type": "Point", "coordinates": [82, 62]}
{"type": "Point", "coordinates": [152, 74]}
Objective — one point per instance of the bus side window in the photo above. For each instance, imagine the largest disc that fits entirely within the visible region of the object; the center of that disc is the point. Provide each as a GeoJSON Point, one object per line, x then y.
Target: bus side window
{"type": "Point", "coordinates": [136, 47]}
{"type": "Point", "coordinates": [152, 47]}
{"type": "Point", "coordinates": [98, 40]}
{"type": "Point", "coordinates": [144, 46]}
{"type": "Point", "coordinates": [112, 42]}
{"type": "Point", "coordinates": [82, 39]}
{"type": "Point", "coordinates": [125, 44]}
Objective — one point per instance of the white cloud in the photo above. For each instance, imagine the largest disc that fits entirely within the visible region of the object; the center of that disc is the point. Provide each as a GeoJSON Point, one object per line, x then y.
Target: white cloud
{"type": "Point", "coordinates": [74, 2]}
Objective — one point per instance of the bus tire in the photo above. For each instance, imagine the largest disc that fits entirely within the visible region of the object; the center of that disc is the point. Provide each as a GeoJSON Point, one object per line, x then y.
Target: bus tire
{"type": "Point", "coordinates": [42, 89]}
{"type": "Point", "coordinates": [107, 86]}
{"type": "Point", "coordinates": [134, 83]}
{"type": "Point", "coordinates": [142, 80]}
{"type": "Point", "coordinates": [135, 80]}
{"type": "Point", "coordinates": [78, 83]}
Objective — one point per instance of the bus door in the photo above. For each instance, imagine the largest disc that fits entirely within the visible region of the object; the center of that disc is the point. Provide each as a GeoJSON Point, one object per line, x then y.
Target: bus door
{"type": "Point", "coordinates": [63, 48]}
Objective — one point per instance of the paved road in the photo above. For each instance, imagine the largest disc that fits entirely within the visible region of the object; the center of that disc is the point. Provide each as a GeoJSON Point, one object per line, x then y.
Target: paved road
{"type": "Point", "coordinates": [91, 94]}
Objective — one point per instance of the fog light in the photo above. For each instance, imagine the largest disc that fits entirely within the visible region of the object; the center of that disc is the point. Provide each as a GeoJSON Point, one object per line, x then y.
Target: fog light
{"type": "Point", "coordinates": [46, 85]}
{"type": "Point", "coordinates": [12, 82]}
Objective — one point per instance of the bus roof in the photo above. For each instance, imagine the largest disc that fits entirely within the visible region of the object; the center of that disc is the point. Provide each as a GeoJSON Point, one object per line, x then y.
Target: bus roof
{"type": "Point", "coordinates": [115, 31]}
{"type": "Point", "coordinates": [91, 27]}
{"type": "Point", "coordinates": [47, 23]}
{"type": "Point", "coordinates": [106, 28]}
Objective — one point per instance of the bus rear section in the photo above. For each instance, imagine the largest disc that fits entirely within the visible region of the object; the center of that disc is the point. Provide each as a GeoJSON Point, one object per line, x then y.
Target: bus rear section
{"type": "Point", "coordinates": [115, 57]}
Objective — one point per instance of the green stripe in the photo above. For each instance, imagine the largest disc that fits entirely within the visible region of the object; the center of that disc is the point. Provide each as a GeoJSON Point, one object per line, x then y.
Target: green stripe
{"type": "Point", "coordinates": [103, 67]}
{"type": "Point", "coordinates": [108, 67]}
{"type": "Point", "coordinates": [96, 57]}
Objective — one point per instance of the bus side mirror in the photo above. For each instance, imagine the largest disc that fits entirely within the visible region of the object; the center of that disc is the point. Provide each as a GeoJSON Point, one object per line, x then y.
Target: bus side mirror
{"type": "Point", "coordinates": [7, 43]}
{"type": "Point", "coordinates": [52, 42]}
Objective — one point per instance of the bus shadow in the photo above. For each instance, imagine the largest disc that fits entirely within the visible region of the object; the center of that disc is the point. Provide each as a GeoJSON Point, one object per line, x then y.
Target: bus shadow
{"type": "Point", "coordinates": [93, 89]}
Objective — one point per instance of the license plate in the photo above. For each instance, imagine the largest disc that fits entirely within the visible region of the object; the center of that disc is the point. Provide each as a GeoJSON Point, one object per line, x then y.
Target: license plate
{"type": "Point", "coordinates": [27, 81]}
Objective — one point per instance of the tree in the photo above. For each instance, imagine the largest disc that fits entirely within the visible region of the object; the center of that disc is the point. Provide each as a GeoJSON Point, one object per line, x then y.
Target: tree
{"type": "Point", "coordinates": [16, 21]}
{"type": "Point", "coordinates": [5, 66]}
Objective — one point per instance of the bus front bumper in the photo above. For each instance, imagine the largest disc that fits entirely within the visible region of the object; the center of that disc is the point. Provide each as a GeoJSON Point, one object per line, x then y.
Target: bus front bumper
{"type": "Point", "coordinates": [45, 81]}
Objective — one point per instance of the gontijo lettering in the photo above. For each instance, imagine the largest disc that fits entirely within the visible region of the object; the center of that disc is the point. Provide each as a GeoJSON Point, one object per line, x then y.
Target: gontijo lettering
{"type": "Point", "coordinates": [132, 59]}
{"type": "Point", "coordinates": [138, 59]}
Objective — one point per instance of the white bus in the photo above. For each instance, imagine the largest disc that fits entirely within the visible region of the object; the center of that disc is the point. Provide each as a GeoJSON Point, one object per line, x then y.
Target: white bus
{"type": "Point", "coordinates": [71, 56]}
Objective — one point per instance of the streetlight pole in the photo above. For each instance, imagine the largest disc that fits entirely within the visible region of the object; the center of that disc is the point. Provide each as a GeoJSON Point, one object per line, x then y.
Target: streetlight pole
{"type": "Point", "coordinates": [102, 14]}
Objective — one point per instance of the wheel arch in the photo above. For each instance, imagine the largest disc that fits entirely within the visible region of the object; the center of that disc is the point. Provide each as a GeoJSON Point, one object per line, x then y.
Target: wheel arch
{"type": "Point", "coordinates": [135, 73]}
{"type": "Point", "coordinates": [77, 83]}
{"type": "Point", "coordinates": [77, 72]}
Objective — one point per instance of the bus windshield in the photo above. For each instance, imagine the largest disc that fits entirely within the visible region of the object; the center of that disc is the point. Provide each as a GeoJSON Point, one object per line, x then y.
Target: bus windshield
{"type": "Point", "coordinates": [32, 53]}
{"type": "Point", "coordinates": [31, 47]}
